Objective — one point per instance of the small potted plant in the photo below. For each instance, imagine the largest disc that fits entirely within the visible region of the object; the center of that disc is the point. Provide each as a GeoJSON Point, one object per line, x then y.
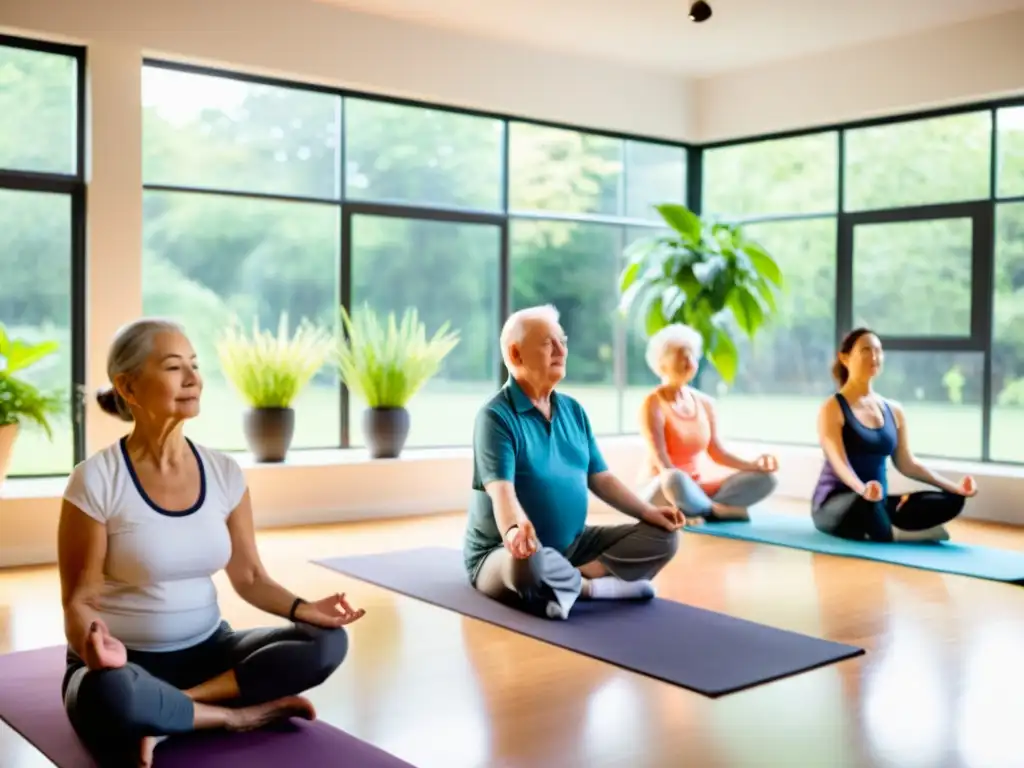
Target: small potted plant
{"type": "Point", "coordinates": [21, 401]}
{"type": "Point", "coordinates": [269, 371]}
{"type": "Point", "coordinates": [385, 364]}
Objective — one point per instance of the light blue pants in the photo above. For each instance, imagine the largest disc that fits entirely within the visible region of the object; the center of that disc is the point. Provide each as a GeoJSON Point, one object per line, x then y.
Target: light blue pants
{"type": "Point", "coordinates": [742, 489]}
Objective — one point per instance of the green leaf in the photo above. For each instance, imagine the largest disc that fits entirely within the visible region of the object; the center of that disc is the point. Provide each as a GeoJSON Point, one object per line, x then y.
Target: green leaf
{"type": "Point", "coordinates": [707, 271]}
{"type": "Point", "coordinates": [763, 263]}
{"type": "Point", "coordinates": [20, 355]}
{"type": "Point", "coordinates": [628, 276]}
{"type": "Point", "coordinates": [655, 318]}
{"type": "Point", "coordinates": [723, 355]}
{"type": "Point", "coordinates": [747, 310]}
{"type": "Point", "coordinates": [672, 300]}
{"type": "Point", "coordinates": [688, 283]}
{"type": "Point", "coordinates": [682, 220]}
{"type": "Point", "coordinates": [767, 294]}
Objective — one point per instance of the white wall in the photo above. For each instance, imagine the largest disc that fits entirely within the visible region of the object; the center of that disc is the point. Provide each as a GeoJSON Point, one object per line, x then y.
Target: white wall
{"type": "Point", "coordinates": [336, 486]}
{"type": "Point", "coordinates": [964, 63]}
{"type": "Point", "coordinates": [320, 43]}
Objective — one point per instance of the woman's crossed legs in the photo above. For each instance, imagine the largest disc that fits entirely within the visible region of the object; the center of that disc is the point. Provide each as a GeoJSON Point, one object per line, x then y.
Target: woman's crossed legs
{"type": "Point", "coordinates": [918, 515]}
{"type": "Point", "coordinates": [233, 680]}
{"type": "Point", "coordinates": [729, 501]}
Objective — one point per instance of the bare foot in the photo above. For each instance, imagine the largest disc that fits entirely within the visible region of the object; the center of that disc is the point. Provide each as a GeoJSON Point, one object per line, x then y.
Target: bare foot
{"type": "Point", "coordinates": [251, 718]}
{"type": "Point", "coordinates": [693, 522]}
{"type": "Point", "coordinates": [146, 750]}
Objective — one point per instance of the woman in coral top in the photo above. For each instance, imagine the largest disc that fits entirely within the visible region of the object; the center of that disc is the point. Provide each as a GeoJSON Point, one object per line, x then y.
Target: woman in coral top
{"type": "Point", "coordinates": [679, 426]}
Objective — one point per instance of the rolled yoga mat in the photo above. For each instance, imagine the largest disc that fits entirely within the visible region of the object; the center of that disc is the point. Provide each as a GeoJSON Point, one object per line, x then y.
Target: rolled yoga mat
{"type": "Point", "coordinates": [943, 556]}
{"type": "Point", "coordinates": [30, 703]}
{"type": "Point", "coordinates": [701, 650]}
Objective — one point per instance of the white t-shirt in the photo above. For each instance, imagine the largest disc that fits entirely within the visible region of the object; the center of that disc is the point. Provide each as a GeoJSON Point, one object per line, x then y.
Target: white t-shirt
{"type": "Point", "coordinates": [158, 593]}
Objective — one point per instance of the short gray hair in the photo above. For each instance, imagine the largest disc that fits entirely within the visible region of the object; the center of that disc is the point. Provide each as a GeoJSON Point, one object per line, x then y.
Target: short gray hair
{"type": "Point", "coordinates": [515, 326]}
{"type": "Point", "coordinates": [672, 337]}
{"type": "Point", "coordinates": [131, 347]}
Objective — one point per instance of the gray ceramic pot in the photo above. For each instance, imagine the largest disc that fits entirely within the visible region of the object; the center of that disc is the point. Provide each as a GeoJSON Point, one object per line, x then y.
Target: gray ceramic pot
{"type": "Point", "coordinates": [269, 432]}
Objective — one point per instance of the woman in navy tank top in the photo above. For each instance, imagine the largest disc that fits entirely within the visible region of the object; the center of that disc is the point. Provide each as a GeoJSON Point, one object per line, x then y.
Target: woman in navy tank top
{"type": "Point", "coordinates": [859, 432]}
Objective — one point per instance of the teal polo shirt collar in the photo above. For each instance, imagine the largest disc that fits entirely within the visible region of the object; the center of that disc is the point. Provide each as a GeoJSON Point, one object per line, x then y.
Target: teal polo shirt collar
{"type": "Point", "coordinates": [520, 401]}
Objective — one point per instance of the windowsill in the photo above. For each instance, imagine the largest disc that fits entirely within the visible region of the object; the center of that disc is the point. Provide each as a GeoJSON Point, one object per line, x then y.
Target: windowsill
{"type": "Point", "coordinates": [316, 487]}
{"type": "Point", "coordinates": [53, 486]}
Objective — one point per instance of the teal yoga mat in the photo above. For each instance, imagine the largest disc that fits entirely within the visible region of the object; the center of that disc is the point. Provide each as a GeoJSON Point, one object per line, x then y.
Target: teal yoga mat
{"type": "Point", "coordinates": [945, 556]}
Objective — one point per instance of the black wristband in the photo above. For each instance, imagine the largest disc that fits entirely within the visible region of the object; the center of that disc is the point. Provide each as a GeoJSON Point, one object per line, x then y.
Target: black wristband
{"type": "Point", "coordinates": [291, 614]}
{"type": "Point", "coordinates": [510, 529]}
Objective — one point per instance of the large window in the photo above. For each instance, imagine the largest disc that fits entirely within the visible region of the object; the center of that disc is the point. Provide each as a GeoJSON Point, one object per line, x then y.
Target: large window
{"type": "Point", "coordinates": [918, 162]}
{"type": "Point", "coordinates": [911, 227]}
{"type": "Point", "coordinates": [573, 266]}
{"type": "Point", "coordinates": [577, 201]}
{"type": "Point", "coordinates": [239, 224]}
{"type": "Point", "coordinates": [41, 234]}
{"type": "Point", "coordinates": [265, 198]}
{"type": "Point", "coordinates": [394, 264]}
{"type": "Point", "coordinates": [786, 192]}
{"type": "Point", "coordinates": [1008, 335]}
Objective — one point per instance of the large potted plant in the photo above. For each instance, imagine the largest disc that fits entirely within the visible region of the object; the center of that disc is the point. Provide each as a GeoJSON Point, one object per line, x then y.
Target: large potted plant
{"type": "Point", "coordinates": [20, 401]}
{"type": "Point", "coordinates": [385, 364]}
{"type": "Point", "coordinates": [707, 274]}
{"type": "Point", "coordinates": [269, 371]}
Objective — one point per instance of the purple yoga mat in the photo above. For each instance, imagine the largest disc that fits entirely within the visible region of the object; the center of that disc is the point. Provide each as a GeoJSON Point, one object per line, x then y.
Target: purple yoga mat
{"type": "Point", "coordinates": [707, 652]}
{"type": "Point", "coordinates": [30, 703]}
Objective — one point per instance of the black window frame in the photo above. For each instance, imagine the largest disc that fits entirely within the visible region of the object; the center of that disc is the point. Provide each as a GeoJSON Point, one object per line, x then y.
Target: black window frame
{"type": "Point", "coordinates": [503, 216]}
{"type": "Point", "coordinates": [981, 211]}
{"type": "Point", "coordinates": [73, 186]}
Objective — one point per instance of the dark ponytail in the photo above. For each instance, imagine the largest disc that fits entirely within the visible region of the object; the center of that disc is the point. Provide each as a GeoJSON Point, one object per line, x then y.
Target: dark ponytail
{"type": "Point", "coordinates": [113, 404]}
{"type": "Point", "coordinates": [839, 371]}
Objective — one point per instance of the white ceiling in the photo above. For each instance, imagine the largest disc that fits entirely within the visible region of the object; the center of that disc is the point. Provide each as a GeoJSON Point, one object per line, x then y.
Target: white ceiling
{"type": "Point", "coordinates": [657, 33]}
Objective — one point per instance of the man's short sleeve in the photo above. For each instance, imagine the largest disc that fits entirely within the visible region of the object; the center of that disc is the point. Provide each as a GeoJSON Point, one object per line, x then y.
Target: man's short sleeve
{"type": "Point", "coordinates": [493, 448]}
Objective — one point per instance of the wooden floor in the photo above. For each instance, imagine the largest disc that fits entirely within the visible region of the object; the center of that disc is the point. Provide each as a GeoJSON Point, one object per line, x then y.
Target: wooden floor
{"type": "Point", "coordinates": [942, 683]}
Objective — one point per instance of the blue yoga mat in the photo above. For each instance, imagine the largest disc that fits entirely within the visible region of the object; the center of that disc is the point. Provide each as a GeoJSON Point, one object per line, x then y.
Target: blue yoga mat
{"type": "Point", "coordinates": [650, 637]}
{"type": "Point", "coordinates": [943, 556]}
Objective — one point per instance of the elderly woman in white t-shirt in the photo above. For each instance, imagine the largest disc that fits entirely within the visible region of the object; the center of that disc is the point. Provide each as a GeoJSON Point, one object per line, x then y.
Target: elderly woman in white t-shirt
{"type": "Point", "coordinates": [144, 525]}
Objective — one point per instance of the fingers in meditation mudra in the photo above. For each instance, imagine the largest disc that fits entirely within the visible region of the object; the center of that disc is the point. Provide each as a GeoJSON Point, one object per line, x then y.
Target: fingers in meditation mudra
{"type": "Point", "coordinates": [535, 464]}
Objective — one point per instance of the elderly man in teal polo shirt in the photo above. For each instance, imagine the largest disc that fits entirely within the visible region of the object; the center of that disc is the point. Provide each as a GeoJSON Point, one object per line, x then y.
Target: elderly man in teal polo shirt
{"type": "Point", "coordinates": [535, 462]}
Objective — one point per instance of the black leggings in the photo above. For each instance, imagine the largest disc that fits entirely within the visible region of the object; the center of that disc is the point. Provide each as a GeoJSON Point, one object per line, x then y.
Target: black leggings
{"type": "Point", "coordinates": [851, 516]}
{"type": "Point", "coordinates": [112, 709]}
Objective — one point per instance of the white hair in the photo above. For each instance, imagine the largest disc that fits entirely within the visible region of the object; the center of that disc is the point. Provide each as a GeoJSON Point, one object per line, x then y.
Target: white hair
{"type": "Point", "coordinates": [514, 329]}
{"type": "Point", "coordinates": [671, 337]}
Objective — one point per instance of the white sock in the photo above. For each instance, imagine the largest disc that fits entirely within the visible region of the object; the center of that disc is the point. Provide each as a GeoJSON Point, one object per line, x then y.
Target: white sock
{"type": "Point", "coordinates": [612, 588]}
{"type": "Point", "coordinates": [554, 610]}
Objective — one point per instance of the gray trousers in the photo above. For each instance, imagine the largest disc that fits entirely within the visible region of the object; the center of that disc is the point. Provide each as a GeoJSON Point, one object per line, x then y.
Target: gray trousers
{"type": "Point", "coordinates": [742, 489]}
{"type": "Point", "coordinates": [631, 552]}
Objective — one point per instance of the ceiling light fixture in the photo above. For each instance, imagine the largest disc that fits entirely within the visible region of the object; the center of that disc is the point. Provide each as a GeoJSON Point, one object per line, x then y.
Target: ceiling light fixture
{"type": "Point", "coordinates": [700, 11]}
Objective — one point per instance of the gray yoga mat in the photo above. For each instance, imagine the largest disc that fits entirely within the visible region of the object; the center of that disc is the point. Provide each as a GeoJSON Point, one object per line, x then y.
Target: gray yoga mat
{"type": "Point", "coordinates": [30, 703]}
{"type": "Point", "coordinates": [659, 638]}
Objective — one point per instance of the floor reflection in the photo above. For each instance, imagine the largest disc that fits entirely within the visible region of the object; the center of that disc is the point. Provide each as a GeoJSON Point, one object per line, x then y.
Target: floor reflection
{"type": "Point", "coordinates": [990, 714]}
{"type": "Point", "coordinates": [939, 686]}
